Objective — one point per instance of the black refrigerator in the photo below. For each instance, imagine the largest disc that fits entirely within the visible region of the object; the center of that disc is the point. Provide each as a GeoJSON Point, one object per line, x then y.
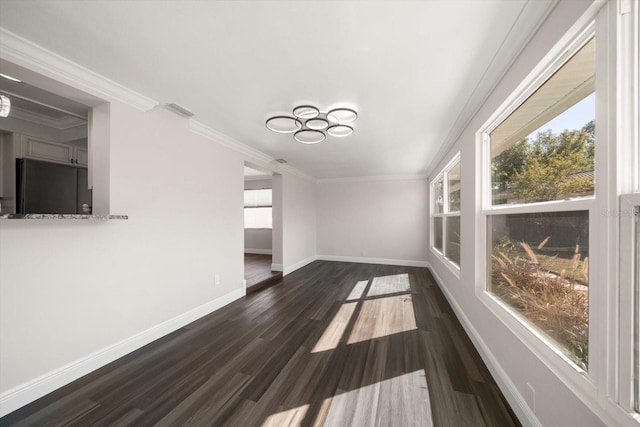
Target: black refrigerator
{"type": "Point", "coordinates": [51, 188]}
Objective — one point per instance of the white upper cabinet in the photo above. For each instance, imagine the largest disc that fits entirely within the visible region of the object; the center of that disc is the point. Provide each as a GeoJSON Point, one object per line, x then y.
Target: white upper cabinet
{"type": "Point", "coordinates": [41, 149]}
{"type": "Point", "coordinates": [81, 156]}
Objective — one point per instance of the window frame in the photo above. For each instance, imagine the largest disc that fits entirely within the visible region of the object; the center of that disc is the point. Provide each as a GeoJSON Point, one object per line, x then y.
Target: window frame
{"type": "Point", "coordinates": [629, 292]}
{"type": "Point", "coordinates": [618, 174]}
{"type": "Point", "coordinates": [443, 175]}
{"type": "Point", "coordinates": [580, 381]}
{"type": "Point", "coordinates": [625, 311]}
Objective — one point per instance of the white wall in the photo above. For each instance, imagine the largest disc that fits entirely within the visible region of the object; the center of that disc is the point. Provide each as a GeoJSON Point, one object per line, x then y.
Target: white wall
{"type": "Point", "coordinates": [257, 240]}
{"type": "Point", "coordinates": [555, 403]}
{"type": "Point", "coordinates": [70, 288]}
{"type": "Point", "coordinates": [374, 219]}
{"type": "Point", "coordinates": [299, 221]}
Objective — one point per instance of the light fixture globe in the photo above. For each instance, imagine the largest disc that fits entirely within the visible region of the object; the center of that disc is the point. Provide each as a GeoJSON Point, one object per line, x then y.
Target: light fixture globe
{"type": "Point", "coordinates": [342, 115]}
{"type": "Point", "coordinates": [340, 130]}
{"type": "Point", "coordinates": [306, 112]}
{"type": "Point", "coordinates": [5, 106]}
{"type": "Point", "coordinates": [317, 124]}
{"type": "Point", "coordinates": [283, 124]}
{"type": "Point", "coordinates": [309, 136]}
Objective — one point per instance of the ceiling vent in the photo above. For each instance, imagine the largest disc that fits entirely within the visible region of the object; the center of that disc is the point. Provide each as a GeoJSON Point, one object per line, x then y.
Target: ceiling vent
{"type": "Point", "coordinates": [179, 110]}
{"type": "Point", "coordinates": [281, 161]}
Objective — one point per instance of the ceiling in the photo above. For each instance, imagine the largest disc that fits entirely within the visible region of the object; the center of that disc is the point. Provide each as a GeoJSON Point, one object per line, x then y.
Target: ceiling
{"type": "Point", "coordinates": [253, 173]}
{"type": "Point", "coordinates": [35, 110]}
{"type": "Point", "coordinates": [416, 71]}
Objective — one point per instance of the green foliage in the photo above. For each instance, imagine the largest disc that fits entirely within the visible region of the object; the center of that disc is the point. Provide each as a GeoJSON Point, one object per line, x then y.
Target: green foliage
{"type": "Point", "coordinates": [509, 163]}
{"type": "Point", "coordinates": [549, 167]}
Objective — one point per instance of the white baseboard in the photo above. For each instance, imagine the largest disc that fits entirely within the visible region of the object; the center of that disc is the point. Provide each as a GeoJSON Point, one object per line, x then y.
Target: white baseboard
{"type": "Point", "coordinates": [365, 260]}
{"type": "Point", "coordinates": [258, 251]}
{"type": "Point", "coordinates": [23, 394]}
{"type": "Point", "coordinates": [291, 268]}
{"type": "Point", "coordinates": [276, 267]}
{"type": "Point", "coordinates": [509, 390]}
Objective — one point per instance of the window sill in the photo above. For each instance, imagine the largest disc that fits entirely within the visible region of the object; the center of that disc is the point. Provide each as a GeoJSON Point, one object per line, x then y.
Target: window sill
{"type": "Point", "coordinates": [453, 268]}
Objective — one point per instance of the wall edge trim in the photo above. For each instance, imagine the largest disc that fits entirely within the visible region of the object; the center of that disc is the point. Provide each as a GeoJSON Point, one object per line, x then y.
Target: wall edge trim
{"type": "Point", "coordinates": [215, 135]}
{"type": "Point", "coordinates": [32, 390]}
{"type": "Point", "coordinates": [258, 251]}
{"type": "Point", "coordinates": [509, 390]}
{"type": "Point", "coordinates": [298, 265]}
{"type": "Point", "coordinates": [415, 177]}
{"type": "Point", "coordinates": [366, 260]}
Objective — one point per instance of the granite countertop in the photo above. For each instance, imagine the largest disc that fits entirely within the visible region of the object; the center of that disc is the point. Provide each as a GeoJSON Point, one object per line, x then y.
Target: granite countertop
{"type": "Point", "coordinates": [61, 216]}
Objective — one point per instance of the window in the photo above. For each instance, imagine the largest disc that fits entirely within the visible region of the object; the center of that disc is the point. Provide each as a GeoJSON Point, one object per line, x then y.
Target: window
{"type": "Point", "coordinates": [540, 169]}
{"type": "Point", "coordinates": [257, 208]}
{"type": "Point", "coordinates": [445, 226]}
{"type": "Point", "coordinates": [630, 302]}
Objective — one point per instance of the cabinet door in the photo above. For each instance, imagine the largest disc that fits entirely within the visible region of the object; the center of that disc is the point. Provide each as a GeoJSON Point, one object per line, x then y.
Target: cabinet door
{"type": "Point", "coordinates": [48, 150]}
{"type": "Point", "coordinates": [81, 156]}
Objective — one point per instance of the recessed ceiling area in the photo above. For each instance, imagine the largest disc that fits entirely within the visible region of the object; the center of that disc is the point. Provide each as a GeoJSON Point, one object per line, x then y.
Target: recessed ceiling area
{"type": "Point", "coordinates": [415, 72]}
{"type": "Point", "coordinates": [39, 113]}
{"type": "Point", "coordinates": [256, 173]}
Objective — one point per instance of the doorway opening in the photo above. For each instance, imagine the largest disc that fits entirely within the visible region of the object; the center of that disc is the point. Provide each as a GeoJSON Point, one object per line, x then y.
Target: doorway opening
{"type": "Point", "coordinates": [262, 228]}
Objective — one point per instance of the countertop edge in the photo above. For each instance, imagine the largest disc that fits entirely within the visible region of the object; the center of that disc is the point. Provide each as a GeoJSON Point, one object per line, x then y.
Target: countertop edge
{"type": "Point", "coordinates": [63, 216]}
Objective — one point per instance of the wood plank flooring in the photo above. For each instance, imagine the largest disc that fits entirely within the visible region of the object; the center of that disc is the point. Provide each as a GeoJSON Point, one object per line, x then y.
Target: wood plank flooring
{"type": "Point", "coordinates": [334, 344]}
{"type": "Point", "coordinates": [257, 272]}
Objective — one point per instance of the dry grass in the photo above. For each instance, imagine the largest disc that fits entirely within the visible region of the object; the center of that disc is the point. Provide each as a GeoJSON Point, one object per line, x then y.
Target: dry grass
{"type": "Point", "coordinates": [556, 302]}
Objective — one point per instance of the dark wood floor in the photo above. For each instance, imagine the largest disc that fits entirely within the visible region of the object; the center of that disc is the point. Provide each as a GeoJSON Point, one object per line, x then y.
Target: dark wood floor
{"type": "Point", "coordinates": [334, 344]}
{"type": "Point", "coordinates": [257, 272]}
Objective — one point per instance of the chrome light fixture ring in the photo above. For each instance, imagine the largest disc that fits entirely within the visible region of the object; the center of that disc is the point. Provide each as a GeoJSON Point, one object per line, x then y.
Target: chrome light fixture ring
{"type": "Point", "coordinates": [283, 124]}
{"type": "Point", "coordinates": [317, 123]}
{"type": "Point", "coordinates": [309, 136]}
{"type": "Point", "coordinates": [306, 112]}
{"type": "Point", "coordinates": [340, 130]}
{"type": "Point", "coordinates": [342, 115]}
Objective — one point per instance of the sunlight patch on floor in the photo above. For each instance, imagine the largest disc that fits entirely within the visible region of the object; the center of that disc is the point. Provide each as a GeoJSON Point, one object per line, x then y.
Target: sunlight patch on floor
{"type": "Point", "coordinates": [386, 285]}
{"type": "Point", "coordinates": [383, 316]}
{"type": "Point", "coordinates": [288, 418]}
{"type": "Point", "coordinates": [401, 401]}
{"type": "Point", "coordinates": [358, 290]}
{"type": "Point", "coordinates": [332, 335]}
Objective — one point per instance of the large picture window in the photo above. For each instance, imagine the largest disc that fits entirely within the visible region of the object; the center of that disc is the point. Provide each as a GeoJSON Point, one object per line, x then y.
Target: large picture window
{"type": "Point", "coordinates": [541, 184]}
{"type": "Point", "coordinates": [445, 218]}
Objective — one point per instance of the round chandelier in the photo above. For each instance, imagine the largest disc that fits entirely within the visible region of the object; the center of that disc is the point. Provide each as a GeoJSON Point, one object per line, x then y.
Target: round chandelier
{"type": "Point", "coordinates": [309, 125]}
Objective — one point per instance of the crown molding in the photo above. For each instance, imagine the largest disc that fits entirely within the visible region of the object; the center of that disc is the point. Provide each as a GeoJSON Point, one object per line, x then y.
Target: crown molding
{"type": "Point", "coordinates": [514, 42]}
{"type": "Point", "coordinates": [23, 52]}
{"type": "Point", "coordinates": [211, 133]}
{"type": "Point", "coordinates": [232, 143]}
{"type": "Point", "coordinates": [373, 178]}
